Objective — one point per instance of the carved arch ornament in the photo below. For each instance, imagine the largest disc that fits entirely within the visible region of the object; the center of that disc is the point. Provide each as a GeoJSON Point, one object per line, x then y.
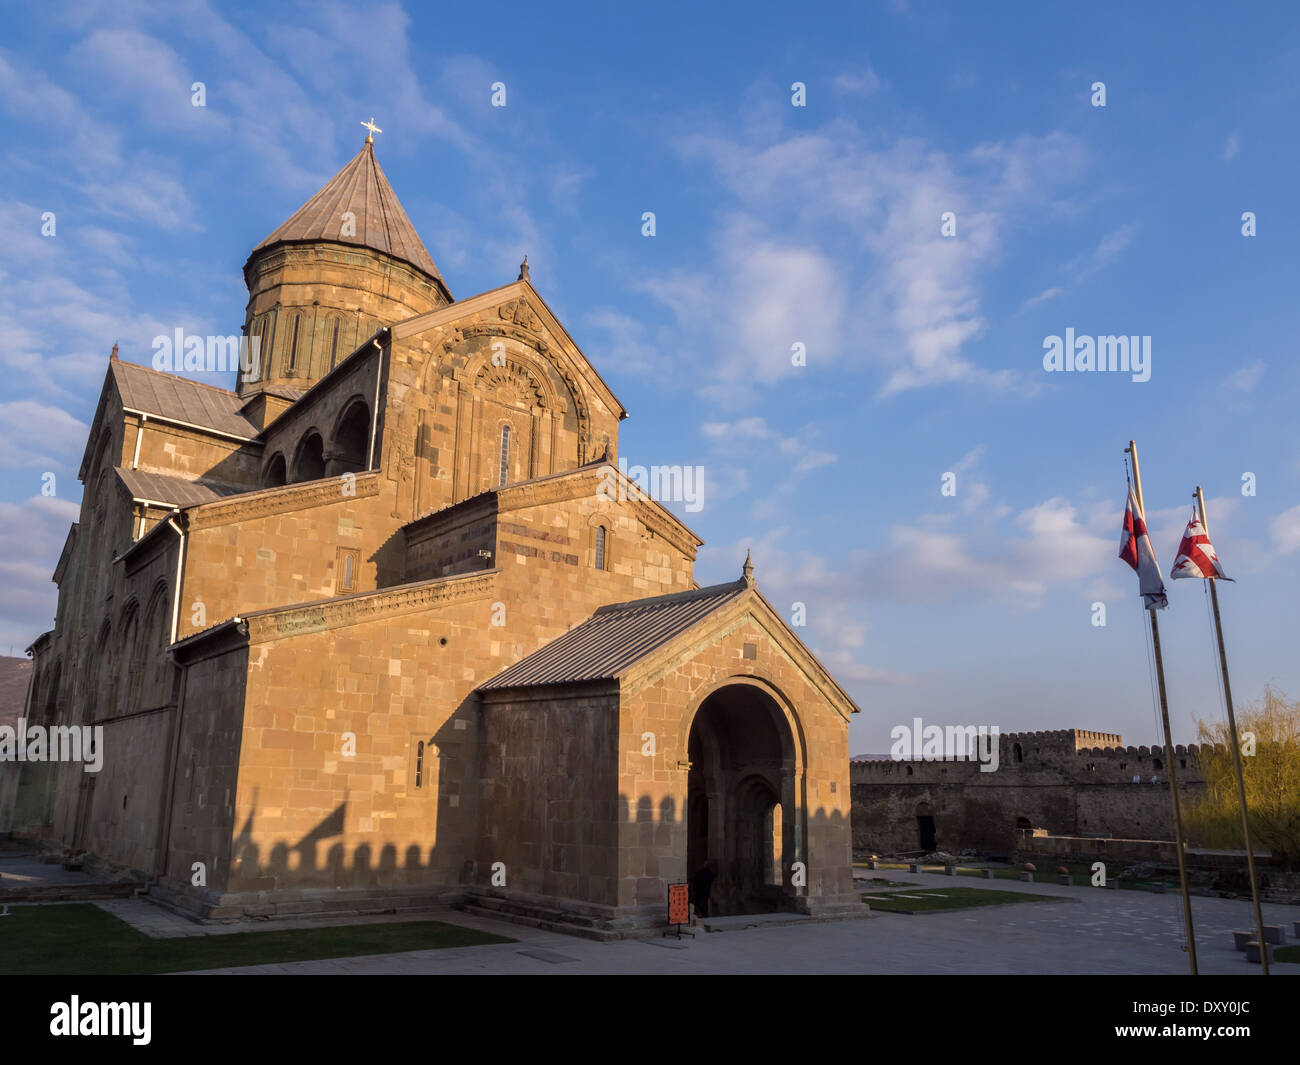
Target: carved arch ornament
{"type": "Point", "coordinates": [537, 352]}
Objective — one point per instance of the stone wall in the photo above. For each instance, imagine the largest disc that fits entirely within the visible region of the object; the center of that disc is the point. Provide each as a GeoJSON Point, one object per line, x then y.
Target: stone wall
{"type": "Point", "coordinates": [550, 809]}
{"type": "Point", "coordinates": [1052, 780]}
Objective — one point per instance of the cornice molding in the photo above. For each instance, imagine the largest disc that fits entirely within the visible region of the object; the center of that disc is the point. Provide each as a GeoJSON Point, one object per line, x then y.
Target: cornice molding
{"type": "Point", "coordinates": [267, 502]}
{"type": "Point", "coordinates": [285, 622]}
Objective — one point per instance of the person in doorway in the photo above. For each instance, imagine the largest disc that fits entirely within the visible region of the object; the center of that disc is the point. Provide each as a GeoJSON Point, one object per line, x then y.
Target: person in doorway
{"type": "Point", "coordinates": [703, 888]}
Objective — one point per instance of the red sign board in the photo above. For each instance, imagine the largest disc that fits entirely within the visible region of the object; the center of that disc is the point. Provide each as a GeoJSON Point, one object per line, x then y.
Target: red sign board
{"type": "Point", "coordinates": [679, 904]}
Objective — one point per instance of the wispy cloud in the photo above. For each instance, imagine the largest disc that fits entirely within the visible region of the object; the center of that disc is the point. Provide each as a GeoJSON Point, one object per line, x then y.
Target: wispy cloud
{"type": "Point", "coordinates": [860, 270]}
{"type": "Point", "coordinates": [1247, 377]}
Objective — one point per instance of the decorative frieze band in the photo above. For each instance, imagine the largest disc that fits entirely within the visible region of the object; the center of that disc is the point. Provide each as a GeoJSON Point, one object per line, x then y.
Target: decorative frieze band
{"type": "Point", "coordinates": [270, 501]}
{"type": "Point", "coordinates": [388, 602]}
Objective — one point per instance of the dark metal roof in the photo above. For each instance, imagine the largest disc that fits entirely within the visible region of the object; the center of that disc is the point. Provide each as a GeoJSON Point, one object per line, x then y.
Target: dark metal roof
{"type": "Point", "coordinates": [381, 224]}
{"type": "Point", "coordinates": [174, 491]}
{"type": "Point", "coordinates": [180, 399]}
{"type": "Point", "coordinates": [614, 638]}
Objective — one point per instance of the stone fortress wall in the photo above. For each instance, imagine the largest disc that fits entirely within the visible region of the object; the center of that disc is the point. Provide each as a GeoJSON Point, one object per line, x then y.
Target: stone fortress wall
{"type": "Point", "coordinates": [1073, 782]}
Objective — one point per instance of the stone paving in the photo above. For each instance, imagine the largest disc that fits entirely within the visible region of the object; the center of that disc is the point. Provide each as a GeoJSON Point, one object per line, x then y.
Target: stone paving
{"type": "Point", "coordinates": [1088, 930]}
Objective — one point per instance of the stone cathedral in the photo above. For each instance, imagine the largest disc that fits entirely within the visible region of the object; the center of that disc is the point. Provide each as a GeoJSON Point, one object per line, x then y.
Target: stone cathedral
{"type": "Point", "coordinates": [365, 633]}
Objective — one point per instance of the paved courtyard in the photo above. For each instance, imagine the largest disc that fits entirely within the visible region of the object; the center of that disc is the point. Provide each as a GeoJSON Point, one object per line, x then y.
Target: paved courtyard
{"type": "Point", "coordinates": [1088, 931]}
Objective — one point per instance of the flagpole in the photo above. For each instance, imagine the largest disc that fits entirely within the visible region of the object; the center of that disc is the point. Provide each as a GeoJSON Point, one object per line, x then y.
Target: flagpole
{"type": "Point", "coordinates": [1236, 745]}
{"type": "Point", "coordinates": [1169, 739]}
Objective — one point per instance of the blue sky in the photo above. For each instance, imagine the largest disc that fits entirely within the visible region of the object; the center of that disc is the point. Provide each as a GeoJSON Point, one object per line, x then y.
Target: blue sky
{"type": "Point", "coordinates": [775, 225]}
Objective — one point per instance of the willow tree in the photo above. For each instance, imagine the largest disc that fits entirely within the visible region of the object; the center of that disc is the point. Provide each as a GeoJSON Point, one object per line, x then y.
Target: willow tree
{"type": "Point", "coordinates": [1269, 731]}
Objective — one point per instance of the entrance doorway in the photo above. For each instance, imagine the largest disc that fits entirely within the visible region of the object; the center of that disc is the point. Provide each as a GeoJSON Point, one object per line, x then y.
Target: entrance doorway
{"type": "Point", "coordinates": [925, 826]}
{"type": "Point", "coordinates": [741, 810]}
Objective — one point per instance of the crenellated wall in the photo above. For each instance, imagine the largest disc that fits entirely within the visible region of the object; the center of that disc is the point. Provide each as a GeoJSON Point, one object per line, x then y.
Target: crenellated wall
{"type": "Point", "coordinates": [1069, 781]}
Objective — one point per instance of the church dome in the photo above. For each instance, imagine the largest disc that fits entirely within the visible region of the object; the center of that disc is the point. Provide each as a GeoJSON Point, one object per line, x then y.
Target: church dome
{"type": "Point", "coordinates": [377, 221]}
{"type": "Point", "coordinates": [345, 264]}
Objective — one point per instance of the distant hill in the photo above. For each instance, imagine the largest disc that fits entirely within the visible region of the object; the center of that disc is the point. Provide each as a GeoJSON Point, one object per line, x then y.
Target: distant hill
{"type": "Point", "coordinates": [14, 674]}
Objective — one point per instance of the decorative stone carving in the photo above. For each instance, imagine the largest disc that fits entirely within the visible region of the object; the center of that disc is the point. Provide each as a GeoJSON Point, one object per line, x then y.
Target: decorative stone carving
{"type": "Point", "coordinates": [519, 313]}
{"type": "Point", "coordinates": [511, 383]}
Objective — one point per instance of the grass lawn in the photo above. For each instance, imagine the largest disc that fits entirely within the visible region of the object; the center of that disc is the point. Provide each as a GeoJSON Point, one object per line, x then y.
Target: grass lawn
{"type": "Point", "coordinates": [952, 898]}
{"type": "Point", "coordinates": [82, 939]}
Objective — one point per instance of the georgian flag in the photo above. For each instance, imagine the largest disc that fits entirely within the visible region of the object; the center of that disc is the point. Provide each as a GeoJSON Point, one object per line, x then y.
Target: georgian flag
{"type": "Point", "coordinates": [1196, 555]}
{"type": "Point", "coordinates": [1135, 549]}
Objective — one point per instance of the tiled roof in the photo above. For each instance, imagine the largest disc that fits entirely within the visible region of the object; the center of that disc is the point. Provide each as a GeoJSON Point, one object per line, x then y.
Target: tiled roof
{"type": "Point", "coordinates": [614, 638]}
{"type": "Point", "coordinates": [180, 399]}
{"type": "Point", "coordinates": [161, 488]}
{"type": "Point", "coordinates": [381, 224]}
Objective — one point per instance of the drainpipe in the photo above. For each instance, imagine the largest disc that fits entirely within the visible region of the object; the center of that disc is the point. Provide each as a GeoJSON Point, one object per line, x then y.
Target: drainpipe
{"type": "Point", "coordinates": [139, 435]}
{"type": "Point", "coordinates": [180, 568]}
{"type": "Point", "coordinates": [374, 414]}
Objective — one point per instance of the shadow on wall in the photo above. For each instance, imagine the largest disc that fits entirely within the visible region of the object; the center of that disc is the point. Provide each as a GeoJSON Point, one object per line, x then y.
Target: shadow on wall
{"type": "Point", "coordinates": [321, 858]}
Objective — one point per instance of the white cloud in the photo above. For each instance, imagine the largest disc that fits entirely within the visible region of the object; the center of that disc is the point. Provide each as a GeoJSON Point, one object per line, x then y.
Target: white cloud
{"type": "Point", "coordinates": [1247, 377]}
{"type": "Point", "coordinates": [36, 435]}
{"type": "Point", "coordinates": [1286, 530]}
{"type": "Point", "coordinates": [1231, 147]}
{"type": "Point", "coordinates": [862, 273]}
{"type": "Point", "coordinates": [31, 537]}
{"type": "Point", "coordinates": [859, 83]}
{"type": "Point", "coordinates": [1042, 297]}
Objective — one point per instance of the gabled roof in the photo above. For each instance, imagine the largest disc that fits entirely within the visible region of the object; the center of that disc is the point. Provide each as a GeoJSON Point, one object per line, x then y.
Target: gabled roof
{"type": "Point", "coordinates": [180, 399]}
{"type": "Point", "coordinates": [381, 224]}
{"type": "Point", "coordinates": [172, 491]}
{"type": "Point", "coordinates": [516, 289]}
{"type": "Point", "coordinates": [615, 637]}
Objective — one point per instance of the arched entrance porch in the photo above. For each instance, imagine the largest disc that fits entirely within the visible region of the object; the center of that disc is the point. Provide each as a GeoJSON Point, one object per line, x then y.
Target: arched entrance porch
{"type": "Point", "coordinates": [742, 810]}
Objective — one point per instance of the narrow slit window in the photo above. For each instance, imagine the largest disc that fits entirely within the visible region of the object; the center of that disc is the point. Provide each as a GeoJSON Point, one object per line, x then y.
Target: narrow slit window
{"type": "Point", "coordinates": [347, 563]}
{"type": "Point", "coordinates": [334, 345]}
{"type": "Point", "coordinates": [505, 455]}
{"type": "Point", "coordinates": [419, 764]}
{"type": "Point", "coordinates": [600, 547]}
{"type": "Point", "coordinates": [293, 347]}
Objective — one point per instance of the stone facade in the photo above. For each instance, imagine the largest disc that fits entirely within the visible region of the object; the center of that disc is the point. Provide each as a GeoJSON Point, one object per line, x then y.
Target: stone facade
{"type": "Point", "coordinates": [1070, 782]}
{"type": "Point", "coordinates": [282, 605]}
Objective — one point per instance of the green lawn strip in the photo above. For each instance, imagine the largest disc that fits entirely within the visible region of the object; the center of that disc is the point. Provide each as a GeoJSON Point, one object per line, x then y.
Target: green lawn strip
{"type": "Point", "coordinates": [954, 898]}
{"type": "Point", "coordinates": [82, 939]}
{"type": "Point", "coordinates": [1287, 954]}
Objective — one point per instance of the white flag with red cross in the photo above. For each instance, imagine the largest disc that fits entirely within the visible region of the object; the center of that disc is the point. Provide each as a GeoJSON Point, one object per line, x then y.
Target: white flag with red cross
{"type": "Point", "coordinates": [1135, 549]}
{"type": "Point", "coordinates": [1196, 555]}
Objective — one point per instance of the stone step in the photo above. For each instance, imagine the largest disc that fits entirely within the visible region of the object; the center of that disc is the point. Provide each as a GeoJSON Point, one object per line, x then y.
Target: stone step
{"type": "Point", "coordinates": [518, 914]}
{"type": "Point", "coordinates": [66, 892]}
{"type": "Point", "coordinates": [514, 906]}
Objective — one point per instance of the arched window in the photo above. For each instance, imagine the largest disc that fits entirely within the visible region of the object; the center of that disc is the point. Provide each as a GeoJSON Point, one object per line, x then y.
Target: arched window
{"type": "Point", "coordinates": [505, 455]}
{"type": "Point", "coordinates": [309, 465]}
{"type": "Point", "coordinates": [334, 344]}
{"type": "Point", "coordinates": [600, 547]}
{"type": "Point", "coordinates": [293, 344]}
{"type": "Point", "coordinates": [1018, 752]}
{"type": "Point", "coordinates": [129, 660]}
{"type": "Point", "coordinates": [352, 439]}
{"type": "Point", "coordinates": [276, 474]}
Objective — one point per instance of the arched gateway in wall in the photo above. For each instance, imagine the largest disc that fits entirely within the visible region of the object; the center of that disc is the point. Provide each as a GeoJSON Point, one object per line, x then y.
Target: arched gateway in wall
{"type": "Point", "coordinates": [743, 810]}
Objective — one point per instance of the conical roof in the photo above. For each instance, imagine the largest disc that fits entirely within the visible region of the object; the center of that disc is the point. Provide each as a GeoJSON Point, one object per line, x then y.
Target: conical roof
{"type": "Point", "coordinates": [381, 224]}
